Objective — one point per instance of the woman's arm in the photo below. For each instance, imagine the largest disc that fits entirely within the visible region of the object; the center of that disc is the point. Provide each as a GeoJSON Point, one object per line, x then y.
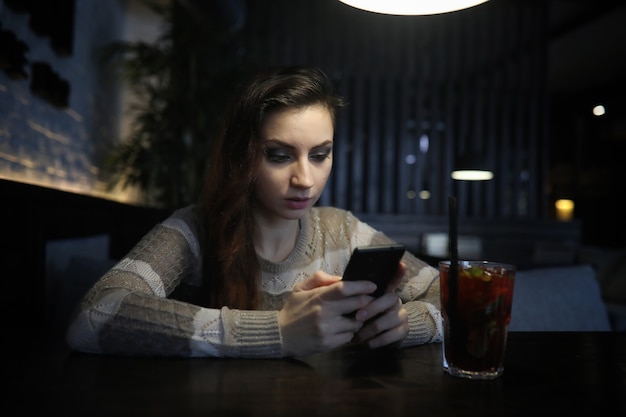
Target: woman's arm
{"type": "Point", "coordinates": [128, 311]}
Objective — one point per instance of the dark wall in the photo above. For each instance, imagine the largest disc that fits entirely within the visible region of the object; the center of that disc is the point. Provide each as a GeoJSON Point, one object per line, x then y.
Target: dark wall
{"type": "Point", "coordinates": [59, 104]}
{"type": "Point", "coordinates": [34, 216]}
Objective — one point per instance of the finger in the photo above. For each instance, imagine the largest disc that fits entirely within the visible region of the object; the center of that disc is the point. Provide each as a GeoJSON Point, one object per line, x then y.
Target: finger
{"type": "Point", "coordinates": [338, 304]}
{"type": "Point", "coordinates": [395, 317]}
{"type": "Point", "coordinates": [387, 302]}
{"type": "Point", "coordinates": [344, 290]}
{"type": "Point", "coordinates": [394, 331]}
{"type": "Point", "coordinates": [318, 279]}
{"type": "Point", "coordinates": [338, 332]}
{"type": "Point", "coordinates": [391, 336]}
{"type": "Point", "coordinates": [347, 325]}
{"type": "Point", "coordinates": [337, 340]}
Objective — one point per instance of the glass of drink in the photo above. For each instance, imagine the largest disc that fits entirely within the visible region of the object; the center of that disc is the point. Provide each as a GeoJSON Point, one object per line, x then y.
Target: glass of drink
{"type": "Point", "coordinates": [476, 310]}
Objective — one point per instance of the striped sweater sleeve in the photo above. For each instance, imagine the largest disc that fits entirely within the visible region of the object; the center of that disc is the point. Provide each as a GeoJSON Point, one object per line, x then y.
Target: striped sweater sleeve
{"type": "Point", "coordinates": [128, 312]}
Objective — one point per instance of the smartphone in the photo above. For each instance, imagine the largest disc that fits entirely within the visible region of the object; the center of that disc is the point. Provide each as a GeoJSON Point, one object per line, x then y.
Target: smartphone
{"type": "Point", "coordinates": [377, 263]}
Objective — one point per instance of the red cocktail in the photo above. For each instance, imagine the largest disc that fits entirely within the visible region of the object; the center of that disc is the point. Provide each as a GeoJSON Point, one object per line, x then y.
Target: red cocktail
{"type": "Point", "coordinates": [476, 317]}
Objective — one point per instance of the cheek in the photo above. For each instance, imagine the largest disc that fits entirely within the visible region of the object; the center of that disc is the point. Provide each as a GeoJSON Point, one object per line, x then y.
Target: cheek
{"type": "Point", "coordinates": [269, 180]}
{"type": "Point", "coordinates": [325, 172]}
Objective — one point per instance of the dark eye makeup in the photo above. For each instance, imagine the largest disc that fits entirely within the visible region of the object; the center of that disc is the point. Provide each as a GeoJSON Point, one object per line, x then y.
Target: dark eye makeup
{"type": "Point", "coordinates": [279, 154]}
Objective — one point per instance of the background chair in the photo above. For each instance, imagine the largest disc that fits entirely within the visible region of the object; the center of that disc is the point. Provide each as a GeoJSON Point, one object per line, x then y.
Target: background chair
{"type": "Point", "coordinates": [566, 298]}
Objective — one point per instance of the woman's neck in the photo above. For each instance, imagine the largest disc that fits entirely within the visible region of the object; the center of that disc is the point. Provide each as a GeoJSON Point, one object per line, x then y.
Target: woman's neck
{"type": "Point", "coordinates": [276, 240]}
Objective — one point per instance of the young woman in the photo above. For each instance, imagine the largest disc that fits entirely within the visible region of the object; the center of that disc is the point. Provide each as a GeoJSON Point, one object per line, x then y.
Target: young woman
{"type": "Point", "coordinates": [254, 269]}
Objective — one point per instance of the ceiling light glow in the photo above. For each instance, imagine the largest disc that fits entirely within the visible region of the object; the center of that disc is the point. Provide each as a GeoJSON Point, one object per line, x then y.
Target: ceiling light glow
{"type": "Point", "coordinates": [412, 7]}
{"type": "Point", "coordinates": [599, 110]}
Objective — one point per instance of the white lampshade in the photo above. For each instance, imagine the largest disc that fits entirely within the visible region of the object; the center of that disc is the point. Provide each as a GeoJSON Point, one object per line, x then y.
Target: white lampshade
{"type": "Point", "coordinates": [412, 7]}
{"type": "Point", "coordinates": [471, 175]}
{"type": "Point", "coordinates": [472, 166]}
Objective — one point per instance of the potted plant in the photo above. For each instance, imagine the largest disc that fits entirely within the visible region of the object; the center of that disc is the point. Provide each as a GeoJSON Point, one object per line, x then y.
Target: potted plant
{"type": "Point", "coordinates": [180, 84]}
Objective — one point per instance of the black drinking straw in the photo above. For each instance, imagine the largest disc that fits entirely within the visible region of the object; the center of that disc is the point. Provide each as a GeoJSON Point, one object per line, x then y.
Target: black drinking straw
{"type": "Point", "coordinates": [453, 271]}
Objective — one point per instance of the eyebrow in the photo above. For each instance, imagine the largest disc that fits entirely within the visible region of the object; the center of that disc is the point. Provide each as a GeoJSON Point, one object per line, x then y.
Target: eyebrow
{"type": "Point", "coordinates": [287, 145]}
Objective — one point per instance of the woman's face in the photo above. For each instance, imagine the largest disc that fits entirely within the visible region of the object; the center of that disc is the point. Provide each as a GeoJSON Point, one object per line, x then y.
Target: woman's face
{"type": "Point", "coordinates": [298, 147]}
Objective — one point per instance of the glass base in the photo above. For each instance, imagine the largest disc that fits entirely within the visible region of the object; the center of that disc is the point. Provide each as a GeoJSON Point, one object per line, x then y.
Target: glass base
{"type": "Point", "coordinates": [482, 375]}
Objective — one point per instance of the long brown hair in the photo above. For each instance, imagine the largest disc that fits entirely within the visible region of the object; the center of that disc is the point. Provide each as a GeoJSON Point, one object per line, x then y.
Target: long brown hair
{"type": "Point", "coordinates": [231, 270]}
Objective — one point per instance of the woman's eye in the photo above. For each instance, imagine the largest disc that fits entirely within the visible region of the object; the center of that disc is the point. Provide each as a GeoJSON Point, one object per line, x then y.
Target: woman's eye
{"type": "Point", "coordinates": [320, 156]}
{"type": "Point", "coordinates": [277, 157]}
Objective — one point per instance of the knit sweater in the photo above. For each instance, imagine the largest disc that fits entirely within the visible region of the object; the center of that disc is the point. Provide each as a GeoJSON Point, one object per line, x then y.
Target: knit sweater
{"type": "Point", "coordinates": [131, 309]}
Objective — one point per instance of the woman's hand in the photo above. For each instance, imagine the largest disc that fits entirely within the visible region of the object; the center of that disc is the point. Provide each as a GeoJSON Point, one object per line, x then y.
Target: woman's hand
{"type": "Point", "coordinates": [390, 323]}
{"type": "Point", "coordinates": [386, 318]}
{"type": "Point", "coordinates": [315, 315]}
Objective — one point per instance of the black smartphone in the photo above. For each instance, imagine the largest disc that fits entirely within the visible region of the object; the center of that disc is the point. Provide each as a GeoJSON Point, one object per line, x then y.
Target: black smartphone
{"type": "Point", "coordinates": [377, 263]}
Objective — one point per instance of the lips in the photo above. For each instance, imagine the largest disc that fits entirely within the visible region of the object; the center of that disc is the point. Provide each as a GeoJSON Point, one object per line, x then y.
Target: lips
{"type": "Point", "coordinates": [298, 203]}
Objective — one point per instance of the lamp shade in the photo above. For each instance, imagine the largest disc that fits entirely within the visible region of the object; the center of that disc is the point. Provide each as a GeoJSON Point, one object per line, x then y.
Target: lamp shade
{"type": "Point", "coordinates": [412, 7]}
{"type": "Point", "coordinates": [472, 167]}
{"type": "Point", "coordinates": [471, 175]}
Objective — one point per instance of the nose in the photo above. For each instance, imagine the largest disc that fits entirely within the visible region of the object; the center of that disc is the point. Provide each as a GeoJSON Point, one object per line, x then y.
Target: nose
{"type": "Point", "coordinates": [302, 174]}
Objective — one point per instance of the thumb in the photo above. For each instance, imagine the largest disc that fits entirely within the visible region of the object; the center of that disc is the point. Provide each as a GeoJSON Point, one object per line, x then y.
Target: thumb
{"type": "Point", "coordinates": [318, 279]}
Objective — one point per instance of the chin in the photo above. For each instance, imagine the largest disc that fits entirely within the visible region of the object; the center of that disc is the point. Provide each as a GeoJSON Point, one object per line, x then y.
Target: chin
{"type": "Point", "coordinates": [295, 214]}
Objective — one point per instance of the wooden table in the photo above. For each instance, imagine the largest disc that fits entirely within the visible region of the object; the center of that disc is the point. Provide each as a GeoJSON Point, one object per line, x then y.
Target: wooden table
{"type": "Point", "coordinates": [557, 374]}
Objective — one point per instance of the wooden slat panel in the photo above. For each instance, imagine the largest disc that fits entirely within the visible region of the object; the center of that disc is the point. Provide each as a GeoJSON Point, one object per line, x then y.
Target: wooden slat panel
{"type": "Point", "coordinates": [355, 174]}
{"type": "Point", "coordinates": [391, 159]}
{"type": "Point", "coordinates": [374, 147]}
{"type": "Point", "coordinates": [404, 143]}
